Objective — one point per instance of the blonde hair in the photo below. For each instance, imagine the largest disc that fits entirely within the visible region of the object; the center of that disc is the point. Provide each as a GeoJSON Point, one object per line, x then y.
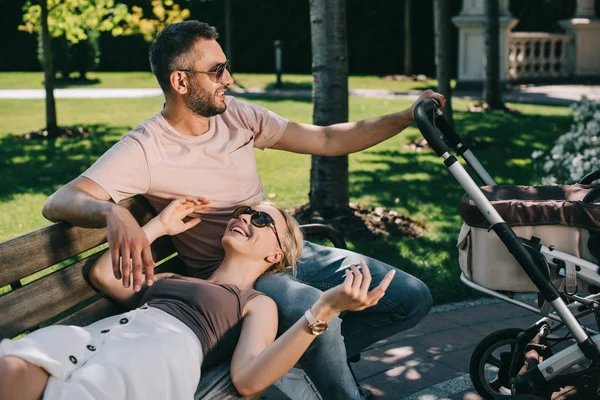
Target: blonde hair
{"type": "Point", "coordinates": [292, 242]}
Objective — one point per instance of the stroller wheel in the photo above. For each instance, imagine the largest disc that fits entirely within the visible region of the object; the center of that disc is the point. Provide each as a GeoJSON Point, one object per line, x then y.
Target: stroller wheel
{"type": "Point", "coordinates": [490, 362]}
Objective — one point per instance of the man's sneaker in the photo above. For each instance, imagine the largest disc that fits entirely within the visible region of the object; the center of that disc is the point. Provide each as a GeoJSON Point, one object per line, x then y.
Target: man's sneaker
{"type": "Point", "coordinates": [297, 386]}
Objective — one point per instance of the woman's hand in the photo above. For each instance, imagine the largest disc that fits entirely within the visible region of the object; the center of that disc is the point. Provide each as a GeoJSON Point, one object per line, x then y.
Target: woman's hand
{"type": "Point", "coordinates": [353, 294]}
{"type": "Point", "coordinates": [171, 218]}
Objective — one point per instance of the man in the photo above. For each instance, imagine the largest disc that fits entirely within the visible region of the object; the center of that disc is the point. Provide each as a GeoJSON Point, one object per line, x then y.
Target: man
{"type": "Point", "coordinates": [201, 145]}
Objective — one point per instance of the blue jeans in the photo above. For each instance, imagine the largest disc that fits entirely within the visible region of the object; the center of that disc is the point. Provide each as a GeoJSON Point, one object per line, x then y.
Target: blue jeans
{"type": "Point", "coordinates": [406, 302]}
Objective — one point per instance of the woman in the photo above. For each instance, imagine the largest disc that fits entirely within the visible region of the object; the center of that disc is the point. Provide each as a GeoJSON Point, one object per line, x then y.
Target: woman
{"type": "Point", "coordinates": [181, 323]}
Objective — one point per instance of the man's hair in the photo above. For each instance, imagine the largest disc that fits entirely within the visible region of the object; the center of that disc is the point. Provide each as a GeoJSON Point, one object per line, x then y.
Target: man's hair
{"type": "Point", "coordinates": [172, 48]}
{"type": "Point", "coordinates": [292, 242]}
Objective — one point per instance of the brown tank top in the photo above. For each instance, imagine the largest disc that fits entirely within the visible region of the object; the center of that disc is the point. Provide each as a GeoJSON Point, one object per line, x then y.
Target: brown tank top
{"type": "Point", "coordinates": [212, 311]}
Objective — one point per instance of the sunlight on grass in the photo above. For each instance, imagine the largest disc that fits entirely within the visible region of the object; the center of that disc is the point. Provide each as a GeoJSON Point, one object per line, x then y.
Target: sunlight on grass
{"type": "Point", "coordinates": [415, 184]}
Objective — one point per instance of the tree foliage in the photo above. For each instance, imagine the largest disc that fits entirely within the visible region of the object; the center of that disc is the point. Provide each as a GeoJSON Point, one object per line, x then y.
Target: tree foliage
{"type": "Point", "coordinates": [75, 19]}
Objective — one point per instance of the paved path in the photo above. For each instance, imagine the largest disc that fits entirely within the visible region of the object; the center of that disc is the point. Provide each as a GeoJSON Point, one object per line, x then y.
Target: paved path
{"type": "Point", "coordinates": [431, 361]}
{"type": "Point", "coordinates": [558, 94]}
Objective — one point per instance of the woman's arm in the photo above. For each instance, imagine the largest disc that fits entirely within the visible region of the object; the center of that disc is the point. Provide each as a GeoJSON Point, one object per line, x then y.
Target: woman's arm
{"type": "Point", "coordinates": [258, 361]}
{"type": "Point", "coordinates": [168, 222]}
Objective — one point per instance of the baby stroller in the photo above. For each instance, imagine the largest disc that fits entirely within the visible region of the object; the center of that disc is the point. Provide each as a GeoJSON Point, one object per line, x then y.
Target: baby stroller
{"type": "Point", "coordinates": [555, 245]}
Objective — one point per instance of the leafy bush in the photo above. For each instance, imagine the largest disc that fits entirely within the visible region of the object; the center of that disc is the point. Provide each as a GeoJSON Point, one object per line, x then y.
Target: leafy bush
{"type": "Point", "coordinates": [577, 152]}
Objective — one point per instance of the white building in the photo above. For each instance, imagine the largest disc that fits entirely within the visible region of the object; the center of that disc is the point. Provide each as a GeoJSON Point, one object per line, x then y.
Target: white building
{"type": "Point", "coordinates": [529, 55]}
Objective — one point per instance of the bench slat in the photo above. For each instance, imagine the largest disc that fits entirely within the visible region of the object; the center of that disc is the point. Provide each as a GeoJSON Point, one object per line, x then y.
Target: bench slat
{"type": "Point", "coordinates": [216, 384]}
{"type": "Point", "coordinates": [25, 308]}
{"type": "Point", "coordinates": [99, 309]}
{"type": "Point", "coordinates": [57, 242]}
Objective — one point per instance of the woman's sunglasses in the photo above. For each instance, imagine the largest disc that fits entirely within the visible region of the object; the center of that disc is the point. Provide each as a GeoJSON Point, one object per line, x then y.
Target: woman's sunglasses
{"type": "Point", "coordinates": [260, 219]}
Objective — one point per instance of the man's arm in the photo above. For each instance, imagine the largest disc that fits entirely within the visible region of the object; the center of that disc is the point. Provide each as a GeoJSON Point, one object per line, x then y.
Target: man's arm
{"type": "Point", "coordinates": [83, 202]}
{"type": "Point", "coordinates": [348, 137]}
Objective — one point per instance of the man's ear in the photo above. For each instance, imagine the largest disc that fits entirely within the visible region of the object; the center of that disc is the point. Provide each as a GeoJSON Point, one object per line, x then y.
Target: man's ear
{"type": "Point", "coordinates": [274, 257]}
{"type": "Point", "coordinates": [179, 82]}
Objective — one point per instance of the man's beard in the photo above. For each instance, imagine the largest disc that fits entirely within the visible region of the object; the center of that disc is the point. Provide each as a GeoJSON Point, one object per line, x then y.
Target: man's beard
{"type": "Point", "coordinates": [200, 101]}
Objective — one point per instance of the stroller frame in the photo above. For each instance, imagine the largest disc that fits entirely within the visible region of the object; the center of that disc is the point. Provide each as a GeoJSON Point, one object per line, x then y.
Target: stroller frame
{"type": "Point", "coordinates": [531, 256]}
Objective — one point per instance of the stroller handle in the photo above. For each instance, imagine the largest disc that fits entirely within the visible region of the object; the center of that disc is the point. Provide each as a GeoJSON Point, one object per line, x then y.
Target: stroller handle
{"type": "Point", "coordinates": [590, 178]}
{"type": "Point", "coordinates": [423, 111]}
{"type": "Point", "coordinates": [447, 130]}
{"type": "Point", "coordinates": [440, 122]}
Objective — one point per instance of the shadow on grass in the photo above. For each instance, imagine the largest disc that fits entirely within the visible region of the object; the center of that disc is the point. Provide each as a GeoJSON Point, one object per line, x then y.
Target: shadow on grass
{"type": "Point", "coordinates": [67, 83]}
{"type": "Point", "coordinates": [41, 166]}
{"type": "Point", "coordinates": [420, 184]}
{"type": "Point", "coordinates": [422, 86]}
{"type": "Point", "coordinates": [273, 97]}
{"type": "Point", "coordinates": [290, 86]}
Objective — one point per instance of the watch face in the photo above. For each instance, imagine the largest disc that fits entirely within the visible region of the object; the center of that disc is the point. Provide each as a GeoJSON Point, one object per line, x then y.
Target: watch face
{"type": "Point", "coordinates": [318, 328]}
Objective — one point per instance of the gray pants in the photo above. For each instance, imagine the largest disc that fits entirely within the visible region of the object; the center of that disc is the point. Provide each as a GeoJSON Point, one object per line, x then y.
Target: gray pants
{"type": "Point", "coordinates": [406, 302]}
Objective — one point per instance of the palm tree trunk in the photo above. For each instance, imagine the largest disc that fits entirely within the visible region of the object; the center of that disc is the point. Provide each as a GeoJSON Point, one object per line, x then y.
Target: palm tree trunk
{"type": "Point", "coordinates": [492, 92]}
{"type": "Point", "coordinates": [443, 63]}
{"type": "Point", "coordinates": [408, 67]}
{"type": "Point", "coordinates": [329, 175]}
{"type": "Point", "coordinates": [51, 124]}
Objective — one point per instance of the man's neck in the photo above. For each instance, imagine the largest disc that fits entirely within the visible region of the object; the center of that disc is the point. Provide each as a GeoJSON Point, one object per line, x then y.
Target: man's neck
{"type": "Point", "coordinates": [185, 121]}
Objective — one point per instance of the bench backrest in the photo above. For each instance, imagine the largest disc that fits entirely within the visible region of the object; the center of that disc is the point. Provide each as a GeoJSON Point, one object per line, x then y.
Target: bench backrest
{"type": "Point", "coordinates": [47, 271]}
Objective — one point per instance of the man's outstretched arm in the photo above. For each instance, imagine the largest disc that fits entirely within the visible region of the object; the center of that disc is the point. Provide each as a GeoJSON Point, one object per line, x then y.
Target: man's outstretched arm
{"type": "Point", "coordinates": [348, 137]}
{"type": "Point", "coordinates": [82, 202]}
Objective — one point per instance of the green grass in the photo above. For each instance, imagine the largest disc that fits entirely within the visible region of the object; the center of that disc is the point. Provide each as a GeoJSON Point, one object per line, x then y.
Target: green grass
{"type": "Point", "coordinates": [414, 183]}
{"type": "Point", "coordinates": [35, 80]}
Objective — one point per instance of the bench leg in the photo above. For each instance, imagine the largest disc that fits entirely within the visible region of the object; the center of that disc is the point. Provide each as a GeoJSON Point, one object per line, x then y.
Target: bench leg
{"type": "Point", "coordinates": [20, 379]}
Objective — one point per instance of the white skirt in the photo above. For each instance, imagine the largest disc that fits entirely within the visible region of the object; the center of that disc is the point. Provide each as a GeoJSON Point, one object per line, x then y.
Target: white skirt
{"type": "Point", "coordinates": [143, 354]}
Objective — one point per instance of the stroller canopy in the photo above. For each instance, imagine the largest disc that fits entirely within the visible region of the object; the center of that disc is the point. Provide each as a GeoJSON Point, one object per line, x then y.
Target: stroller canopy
{"type": "Point", "coordinates": [536, 205]}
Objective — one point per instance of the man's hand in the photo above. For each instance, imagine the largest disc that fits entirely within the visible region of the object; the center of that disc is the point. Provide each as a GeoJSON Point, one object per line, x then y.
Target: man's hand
{"type": "Point", "coordinates": [129, 248]}
{"type": "Point", "coordinates": [428, 94]}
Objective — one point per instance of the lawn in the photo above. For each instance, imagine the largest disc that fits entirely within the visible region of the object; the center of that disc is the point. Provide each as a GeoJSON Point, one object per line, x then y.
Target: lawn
{"type": "Point", "coordinates": [35, 80]}
{"type": "Point", "coordinates": [413, 183]}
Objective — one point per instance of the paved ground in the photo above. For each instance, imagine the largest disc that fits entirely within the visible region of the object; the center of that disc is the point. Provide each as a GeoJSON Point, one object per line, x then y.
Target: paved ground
{"type": "Point", "coordinates": [558, 94]}
{"type": "Point", "coordinates": [431, 361]}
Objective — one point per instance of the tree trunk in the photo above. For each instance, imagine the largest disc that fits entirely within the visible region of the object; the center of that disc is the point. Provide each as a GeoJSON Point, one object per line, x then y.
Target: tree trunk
{"type": "Point", "coordinates": [329, 175]}
{"type": "Point", "coordinates": [228, 38]}
{"type": "Point", "coordinates": [51, 124]}
{"type": "Point", "coordinates": [492, 92]}
{"type": "Point", "coordinates": [408, 67]}
{"type": "Point", "coordinates": [441, 11]}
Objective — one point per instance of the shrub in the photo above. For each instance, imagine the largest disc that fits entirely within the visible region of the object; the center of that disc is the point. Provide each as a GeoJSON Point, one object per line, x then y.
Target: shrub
{"type": "Point", "coordinates": [575, 153]}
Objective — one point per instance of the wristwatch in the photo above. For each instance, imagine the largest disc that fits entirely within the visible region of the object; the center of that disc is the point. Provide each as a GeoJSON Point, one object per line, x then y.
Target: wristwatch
{"type": "Point", "coordinates": [316, 327]}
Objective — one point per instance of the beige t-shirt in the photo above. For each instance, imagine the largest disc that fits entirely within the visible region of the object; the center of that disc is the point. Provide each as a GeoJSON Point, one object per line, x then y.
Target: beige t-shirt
{"type": "Point", "coordinates": [157, 161]}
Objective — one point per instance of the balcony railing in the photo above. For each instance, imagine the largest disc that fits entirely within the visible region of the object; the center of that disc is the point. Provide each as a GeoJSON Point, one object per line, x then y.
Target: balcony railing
{"type": "Point", "coordinates": [539, 55]}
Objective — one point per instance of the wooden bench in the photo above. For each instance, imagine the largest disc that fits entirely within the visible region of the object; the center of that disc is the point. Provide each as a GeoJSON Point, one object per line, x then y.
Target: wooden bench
{"type": "Point", "coordinates": [63, 295]}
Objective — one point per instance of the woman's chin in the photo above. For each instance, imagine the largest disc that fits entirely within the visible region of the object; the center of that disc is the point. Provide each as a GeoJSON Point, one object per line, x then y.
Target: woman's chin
{"type": "Point", "coordinates": [232, 243]}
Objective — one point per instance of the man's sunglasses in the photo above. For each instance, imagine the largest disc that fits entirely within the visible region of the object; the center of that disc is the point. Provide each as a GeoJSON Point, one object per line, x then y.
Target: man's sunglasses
{"type": "Point", "coordinates": [260, 219]}
{"type": "Point", "coordinates": [218, 72]}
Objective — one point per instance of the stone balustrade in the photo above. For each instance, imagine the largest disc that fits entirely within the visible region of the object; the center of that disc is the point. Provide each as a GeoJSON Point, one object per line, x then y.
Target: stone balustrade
{"type": "Point", "coordinates": [539, 55]}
